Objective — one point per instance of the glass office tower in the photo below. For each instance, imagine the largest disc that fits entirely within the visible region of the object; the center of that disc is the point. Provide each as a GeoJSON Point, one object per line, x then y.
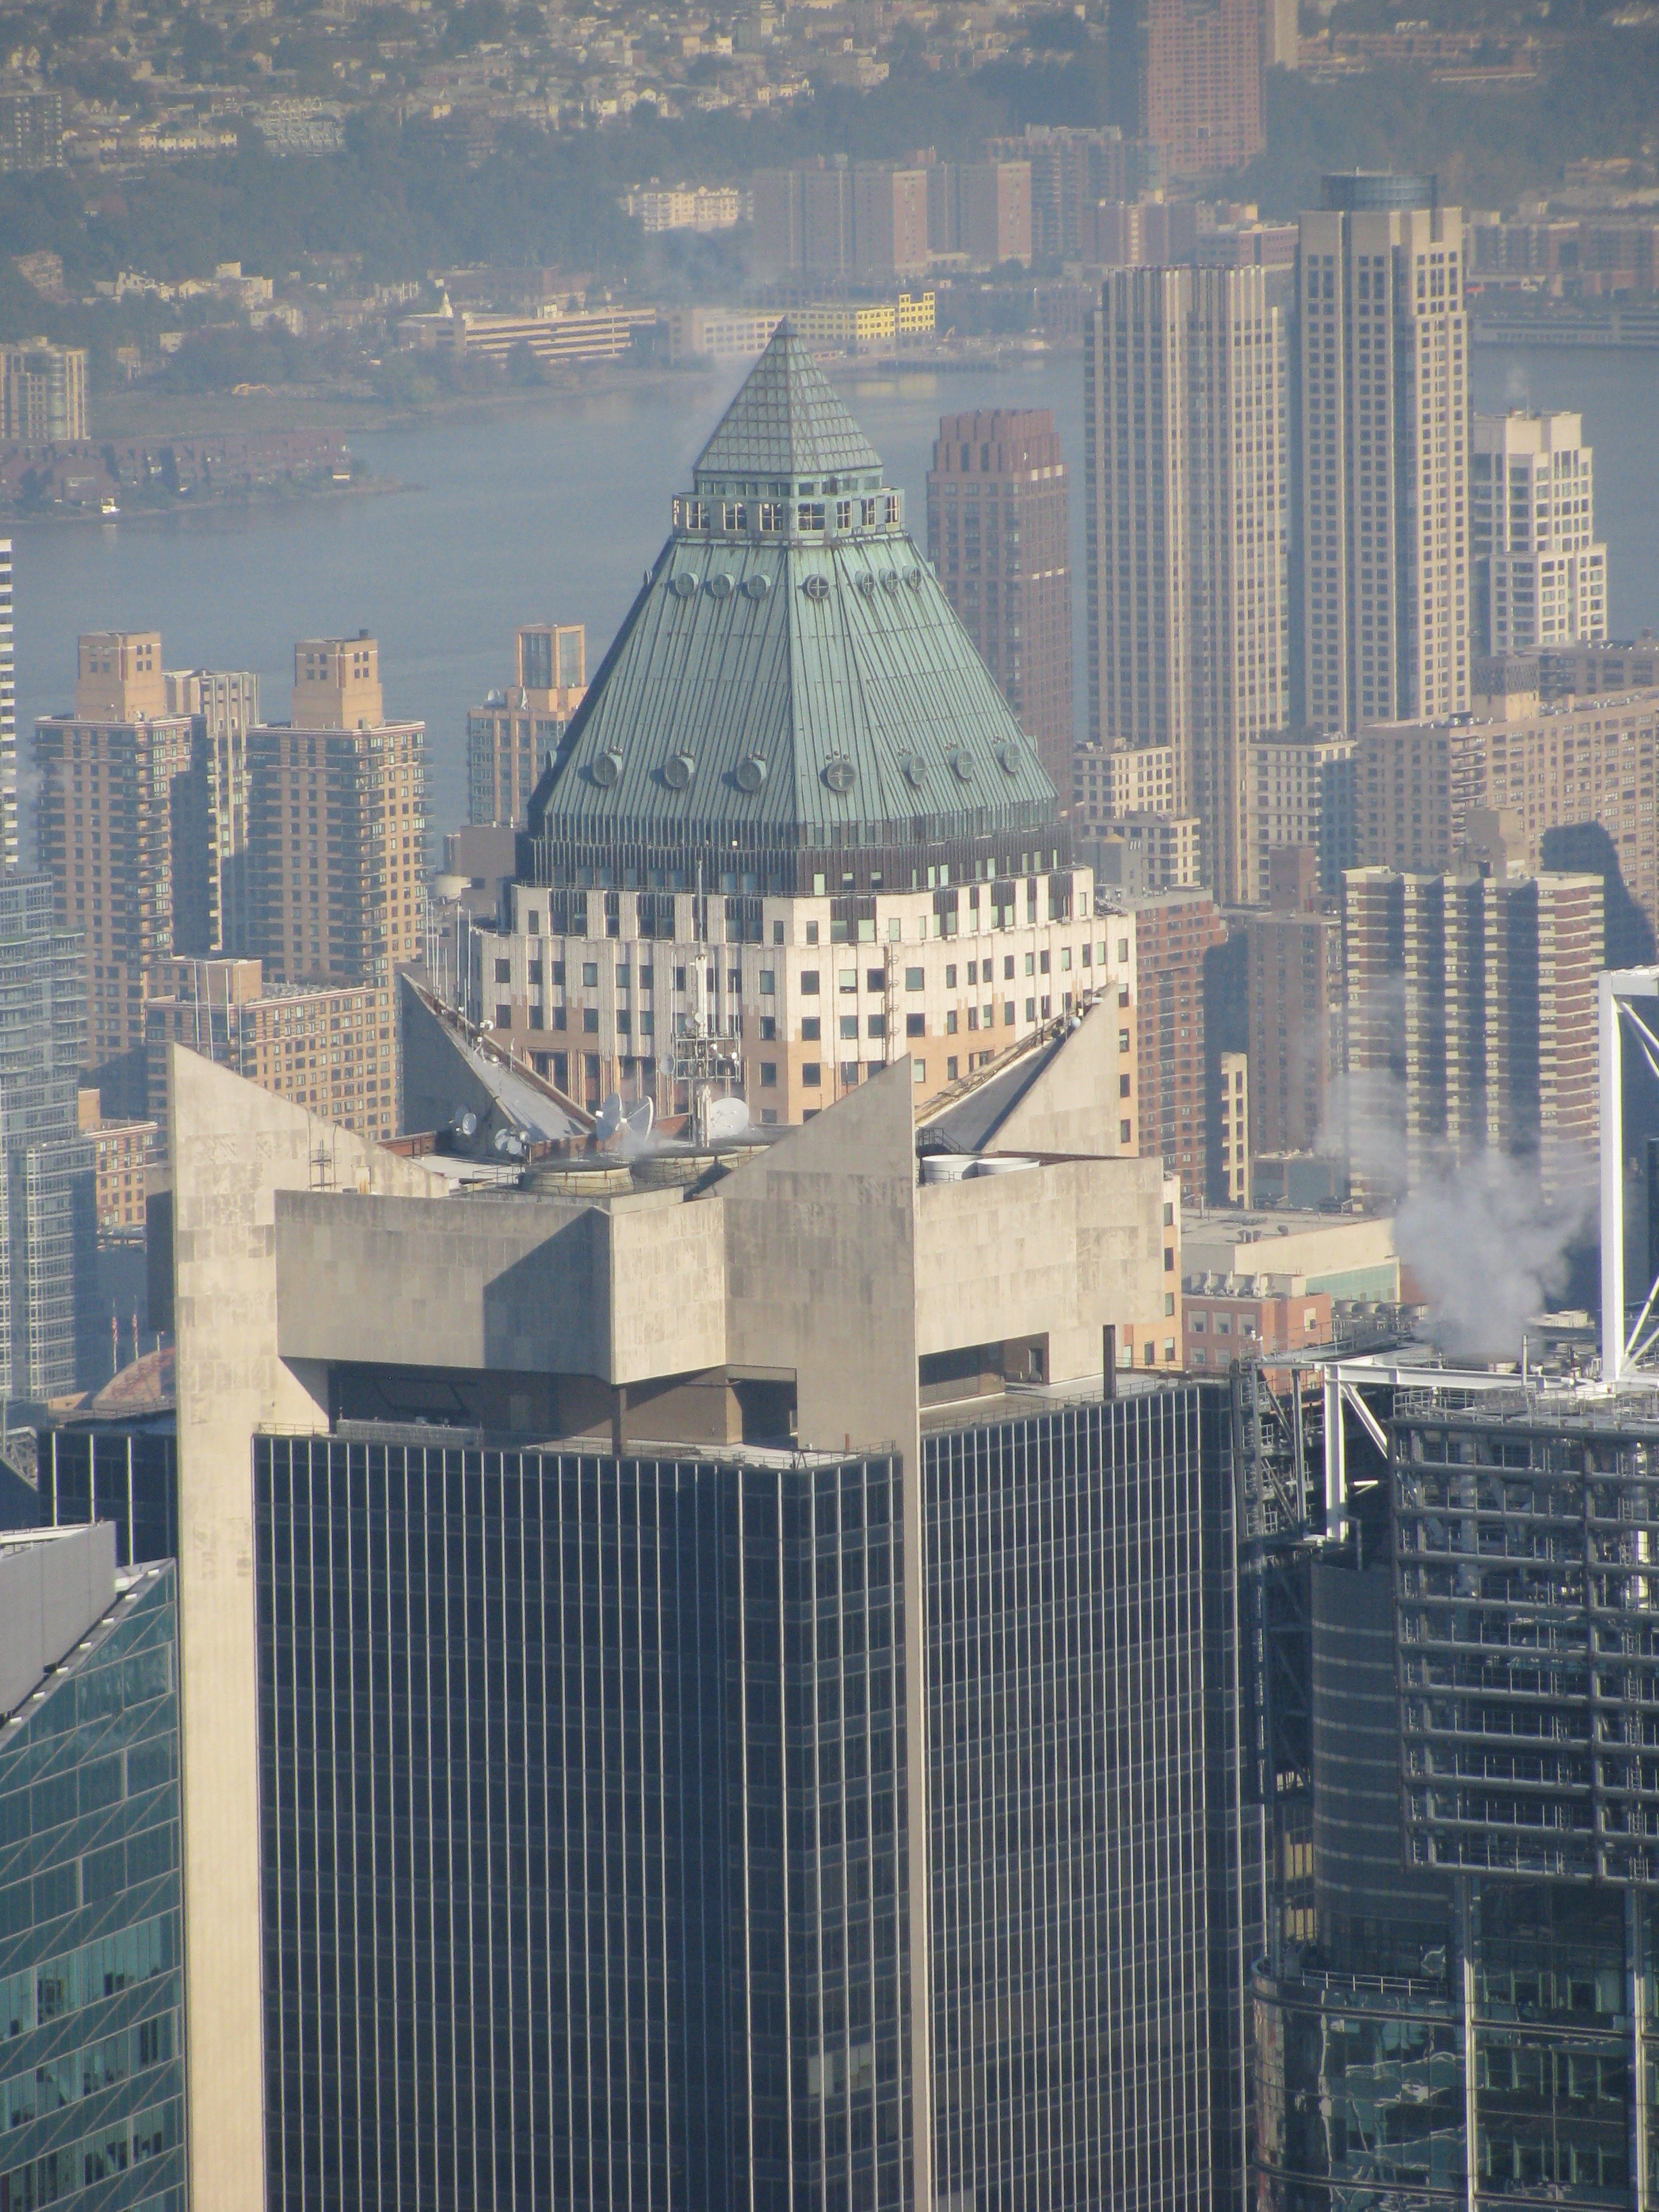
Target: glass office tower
{"type": "Point", "coordinates": [1475, 2023]}
{"type": "Point", "coordinates": [91, 2060]}
{"type": "Point", "coordinates": [610, 1902]}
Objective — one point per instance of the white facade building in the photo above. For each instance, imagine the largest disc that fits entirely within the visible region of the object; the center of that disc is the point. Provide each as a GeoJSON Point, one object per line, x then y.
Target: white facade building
{"type": "Point", "coordinates": [1540, 578]}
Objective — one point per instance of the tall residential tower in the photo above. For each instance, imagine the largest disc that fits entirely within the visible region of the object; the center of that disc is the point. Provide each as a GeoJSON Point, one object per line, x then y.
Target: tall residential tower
{"type": "Point", "coordinates": [999, 535]}
{"type": "Point", "coordinates": [1188, 530]}
{"type": "Point", "coordinates": [1385, 455]}
{"type": "Point", "coordinates": [1540, 578]}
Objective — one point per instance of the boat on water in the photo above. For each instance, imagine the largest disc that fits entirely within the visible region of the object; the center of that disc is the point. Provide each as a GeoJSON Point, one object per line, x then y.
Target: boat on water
{"type": "Point", "coordinates": [110, 510]}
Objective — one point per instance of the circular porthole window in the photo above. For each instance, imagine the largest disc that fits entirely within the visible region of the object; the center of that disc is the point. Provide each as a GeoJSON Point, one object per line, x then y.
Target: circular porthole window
{"type": "Point", "coordinates": [962, 764]}
{"type": "Point", "coordinates": [677, 770]}
{"type": "Point", "coordinates": [889, 582]}
{"type": "Point", "coordinates": [719, 587]}
{"type": "Point", "coordinates": [817, 587]}
{"type": "Point", "coordinates": [756, 588]}
{"type": "Point", "coordinates": [915, 770]}
{"type": "Point", "coordinates": [750, 772]}
{"type": "Point", "coordinates": [913, 578]}
{"type": "Point", "coordinates": [1008, 755]}
{"type": "Point", "coordinates": [840, 774]}
{"type": "Point", "coordinates": [606, 769]}
{"type": "Point", "coordinates": [867, 584]}
{"type": "Point", "coordinates": [684, 584]}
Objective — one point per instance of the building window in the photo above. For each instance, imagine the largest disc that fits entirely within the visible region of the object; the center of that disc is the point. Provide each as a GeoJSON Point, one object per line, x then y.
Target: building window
{"type": "Point", "coordinates": [878, 1025]}
{"type": "Point", "coordinates": [811, 1030]}
{"type": "Point", "coordinates": [503, 1018]}
{"type": "Point", "coordinates": [949, 1071]}
{"type": "Point", "coordinates": [590, 975]}
{"type": "Point", "coordinates": [590, 1021]}
{"type": "Point", "coordinates": [916, 1025]}
{"type": "Point", "coordinates": [503, 971]}
{"type": "Point", "coordinates": [915, 978]}
{"type": "Point", "coordinates": [951, 1023]}
{"type": "Point", "coordinates": [850, 1026]}
{"type": "Point", "coordinates": [768, 1075]}
{"type": "Point", "coordinates": [809, 982]}
{"type": "Point", "coordinates": [1123, 1086]}
{"type": "Point", "coordinates": [812, 1075]}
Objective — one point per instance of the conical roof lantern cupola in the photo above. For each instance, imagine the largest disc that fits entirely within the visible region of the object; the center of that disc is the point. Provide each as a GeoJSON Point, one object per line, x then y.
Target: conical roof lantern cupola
{"type": "Point", "coordinates": [791, 682]}
{"type": "Point", "coordinates": [787, 422]}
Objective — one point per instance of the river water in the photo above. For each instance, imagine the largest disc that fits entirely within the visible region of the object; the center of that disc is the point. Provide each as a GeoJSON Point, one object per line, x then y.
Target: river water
{"type": "Point", "coordinates": [551, 516]}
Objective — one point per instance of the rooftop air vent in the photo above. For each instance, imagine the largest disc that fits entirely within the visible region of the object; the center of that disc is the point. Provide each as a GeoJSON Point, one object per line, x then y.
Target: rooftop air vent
{"type": "Point", "coordinates": [817, 587]}
{"type": "Point", "coordinates": [915, 769]}
{"type": "Point", "coordinates": [606, 769]}
{"type": "Point", "coordinates": [962, 764]}
{"type": "Point", "coordinates": [840, 774]}
{"type": "Point", "coordinates": [719, 587]}
{"type": "Point", "coordinates": [756, 588]}
{"type": "Point", "coordinates": [677, 770]}
{"type": "Point", "coordinates": [750, 772]}
{"type": "Point", "coordinates": [684, 584]}
{"type": "Point", "coordinates": [1008, 758]}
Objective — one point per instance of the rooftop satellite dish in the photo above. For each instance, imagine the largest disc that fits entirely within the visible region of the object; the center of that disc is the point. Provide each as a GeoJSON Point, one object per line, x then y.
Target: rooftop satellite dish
{"type": "Point", "coordinates": [465, 1124]}
{"type": "Point", "coordinates": [639, 1121]}
{"type": "Point", "coordinates": [727, 1117]}
{"type": "Point", "coordinates": [611, 1117]}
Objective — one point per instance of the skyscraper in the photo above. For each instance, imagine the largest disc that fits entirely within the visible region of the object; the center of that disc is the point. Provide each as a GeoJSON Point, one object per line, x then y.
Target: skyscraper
{"type": "Point", "coordinates": [1460, 2019]}
{"type": "Point", "coordinates": [1174, 933]}
{"type": "Point", "coordinates": [1295, 983]}
{"type": "Point", "coordinates": [1540, 578]}
{"type": "Point", "coordinates": [48, 1192]}
{"type": "Point", "coordinates": [709, 1900]}
{"type": "Point", "coordinates": [121, 831]}
{"type": "Point", "coordinates": [223, 705]}
{"type": "Point", "coordinates": [1198, 69]}
{"type": "Point", "coordinates": [999, 535]}
{"type": "Point", "coordinates": [836, 848]}
{"type": "Point", "coordinates": [43, 393]}
{"type": "Point", "coordinates": [1189, 538]}
{"type": "Point", "coordinates": [91, 2010]}
{"type": "Point", "coordinates": [1471, 1021]}
{"type": "Point", "coordinates": [10, 847]}
{"type": "Point", "coordinates": [336, 825]}
{"type": "Point", "coordinates": [1384, 343]}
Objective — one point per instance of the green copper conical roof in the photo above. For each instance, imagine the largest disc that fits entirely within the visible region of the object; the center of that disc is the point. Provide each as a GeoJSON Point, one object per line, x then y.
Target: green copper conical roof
{"type": "Point", "coordinates": [791, 678]}
{"type": "Point", "coordinates": [786, 423]}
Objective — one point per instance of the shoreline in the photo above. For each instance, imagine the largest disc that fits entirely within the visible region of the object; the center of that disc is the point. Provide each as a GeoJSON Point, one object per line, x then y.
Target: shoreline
{"type": "Point", "coordinates": [237, 501]}
{"type": "Point", "coordinates": [133, 413]}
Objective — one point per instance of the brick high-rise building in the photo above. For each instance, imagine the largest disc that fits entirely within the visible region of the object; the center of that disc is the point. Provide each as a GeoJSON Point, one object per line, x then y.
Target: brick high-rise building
{"type": "Point", "coordinates": [511, 737]}
{"type": "Point", "coordinates": [889, 220]}
{"type": "Point", "coordinates": [122, 831]}
{"type": "Point", "coordinates": [1471, 1020]}
{"type": "Point", "coordinates": [1072, 170]}
{"type": "Point", "coordinates": [1296, 995]}
{"type": "Point", "coordinates": [1197, 65]}
{"type": "Point", "coordinates": [998, 534]}
{"type": "Point", "coordinates": [981, 209]}
{"type": "Point", "coordinates": [331, 1048]}
{"type": "Point", "coordinates": [336, 825]}
{"type": "Point", "coordinates": [1385, 372]}
{"type": "Point", "coordinates": [1185, 432]}
{"type": "Point", "coordinates": [1173, 932]}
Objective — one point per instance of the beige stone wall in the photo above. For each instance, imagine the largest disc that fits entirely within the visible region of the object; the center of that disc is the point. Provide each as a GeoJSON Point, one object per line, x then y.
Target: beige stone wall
{"type": "Point", "coordinates": [233, 1148]}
